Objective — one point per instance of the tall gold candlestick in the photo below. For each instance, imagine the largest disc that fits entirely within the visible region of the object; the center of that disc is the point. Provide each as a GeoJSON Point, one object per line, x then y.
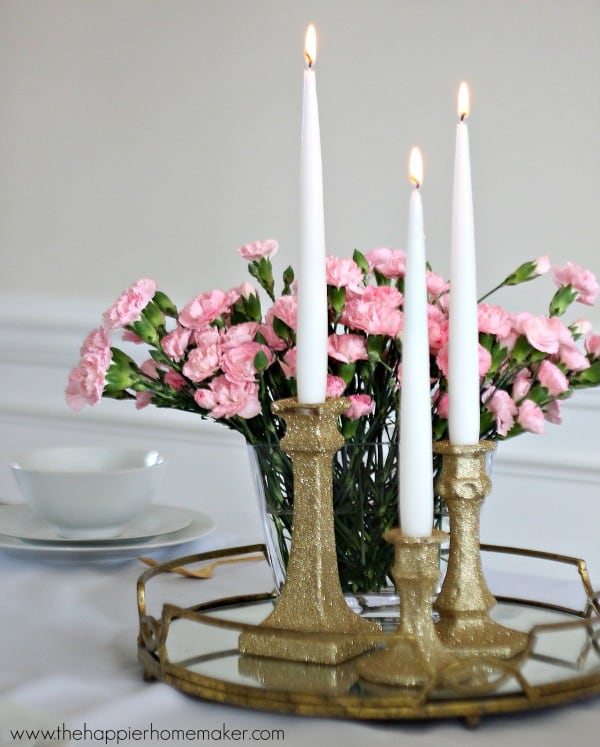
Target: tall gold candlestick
{"type": "Point", "coordinates": [311, 601]}
{"type": "Point", "coordinates": [465, 601]}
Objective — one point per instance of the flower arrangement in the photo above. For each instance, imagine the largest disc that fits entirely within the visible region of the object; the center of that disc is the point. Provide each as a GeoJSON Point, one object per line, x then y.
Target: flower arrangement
{"type": "Point", "coordinates": [220, 357]}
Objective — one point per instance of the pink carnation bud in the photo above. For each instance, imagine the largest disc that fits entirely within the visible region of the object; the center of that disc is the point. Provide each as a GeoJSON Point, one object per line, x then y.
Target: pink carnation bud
{"type": "Point", "coordinates": [542, 265]}
{"type": "Point", "coordinates": [592, 345]}
{"type": "Point", "coordinates": [581, 327]}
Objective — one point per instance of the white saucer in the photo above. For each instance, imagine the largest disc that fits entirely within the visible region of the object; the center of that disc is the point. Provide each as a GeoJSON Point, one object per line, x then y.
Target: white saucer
{"type": "Point", "coordinates": [21, 522]}
{"type": "Point", "coordinates": [196, 525]}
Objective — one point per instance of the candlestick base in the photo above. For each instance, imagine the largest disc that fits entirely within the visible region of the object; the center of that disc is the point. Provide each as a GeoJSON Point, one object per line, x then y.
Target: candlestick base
{"type": "Point", "coordinates": [311, 621]}
{"type": "Point", "coordinates": [465, 601]}
{"type": "Point", "coordinates": [415, 653]}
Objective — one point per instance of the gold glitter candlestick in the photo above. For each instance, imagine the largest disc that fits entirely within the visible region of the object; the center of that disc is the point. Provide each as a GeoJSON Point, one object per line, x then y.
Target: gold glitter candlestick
{"type": "Point", "coordinates": [311, 621]}
{"type": "Point", "coordinates": [465, 601]}
{"type": "Point", "coordinates": [415, 653]}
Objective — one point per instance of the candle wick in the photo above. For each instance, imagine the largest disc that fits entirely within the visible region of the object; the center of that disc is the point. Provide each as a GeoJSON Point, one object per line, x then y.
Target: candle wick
{"type": "Point", "coordinates": [462, 117]}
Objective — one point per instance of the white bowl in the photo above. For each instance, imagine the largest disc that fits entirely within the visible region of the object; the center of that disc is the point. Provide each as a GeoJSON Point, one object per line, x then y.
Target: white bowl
{"type": "Point", "coordinates": [89, 492]}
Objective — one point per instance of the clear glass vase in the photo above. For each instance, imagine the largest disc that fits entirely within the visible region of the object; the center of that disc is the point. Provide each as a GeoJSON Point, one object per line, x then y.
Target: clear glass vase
{"type": "Point", "coordinates": [365, 500]}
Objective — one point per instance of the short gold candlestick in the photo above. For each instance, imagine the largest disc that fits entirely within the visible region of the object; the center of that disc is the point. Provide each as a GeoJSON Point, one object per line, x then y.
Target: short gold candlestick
{"type": "Point", "coordinates": [415, 653]}
{"type": "Point", "coordinates": [311, 621]}
{"type": "Point", "coordinates": [465, 601]}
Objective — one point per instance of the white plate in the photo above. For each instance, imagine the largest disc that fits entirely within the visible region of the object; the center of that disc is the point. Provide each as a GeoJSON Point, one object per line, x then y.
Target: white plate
{"type": "Point", "coordinates": [200, 524]}
{"type": "Point", "coordinates": [21, 522]}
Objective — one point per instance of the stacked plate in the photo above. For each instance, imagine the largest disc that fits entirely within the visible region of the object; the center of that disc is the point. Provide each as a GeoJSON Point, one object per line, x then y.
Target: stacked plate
{"type": "Point", "coordinates": [23, 533]}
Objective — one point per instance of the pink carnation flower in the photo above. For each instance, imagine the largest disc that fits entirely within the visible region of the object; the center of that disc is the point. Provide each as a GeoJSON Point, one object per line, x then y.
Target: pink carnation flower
{"type": "Point", "coordinates": [341, 272]}
{"type": "Point", "coordinates": [288, 363]}
{"type": "Point", "coordinates": [335, 386]}
{"type": "Point", "coordinates": [176, 342]}
{"type": "Point", "coordinates": [246, 289]}
{"type": "Point", "coordinates": [493, 320]}
{"type": "Point", "coordinates": [86, 383]}
{"type": "Point", "coordinates": [347, 348]}
{"type": "Point", "coordinates": [225, 399]}
{"type": "Point", "coordinates": [271, 337]}
{"type": "Point", "coordinates": [437, 328]}
{"type": "Point", "coordinates": [286, 309]}
{"type": "Point", "coordinates": [550, 376]}
{"type": "Point", "coordinates": [384, 295]}
{"type": "Point", "coordinates": [552, 412]}
{"type": "Point", "coordinates": [143, 399]}
{"type": "Point", "coordinates": [592, 345]}
{"type": "Point", "coordinates": [362, 404]}
{"type": "Point", "coordinates": [203, 361]}
{"type": "Point", "coordinates": [373, 318]}
{"type": "Point", "coordinates": [174, 379]}
{"type": "Point", "coordinates": [97, 346]}
{"type": "Point", "coordinates": [204, 309]}
{"type": "Point", "coordinates": [521, 385]}
{"type": "Point", "coordinates": [391, 263]}
{"type": "Point", "coordinates": [485, 360]}
{"type": "Point", "coordinates": [540, 332]}
{"type": "Point", "coordinates": [442, 406]}
{"type": "Point", "coordinates": [130, 304]}
{"type": "Point", "coordinates": [572, 357]}
{"type": "Point", "coordinates": [238, 362]}
{"type": "Point", "coordinates": [239, 334]}
{"type": "Point", "coordinates": [150, 368]}
{"type": "Point", "coordinates": [531, 417]}
{"type": "Point", "coordinates": [436, 285]}
{"type": "Point", "coordinates": [582, 327]}
{"type": "Point", "coordinates": [542, 265]}
{"type": "Point", "coordinates": [501, 405]}
{"type": "Point", "coordinates": [581, 280]}
{"type": "Point", "coordinates": [259, 249]}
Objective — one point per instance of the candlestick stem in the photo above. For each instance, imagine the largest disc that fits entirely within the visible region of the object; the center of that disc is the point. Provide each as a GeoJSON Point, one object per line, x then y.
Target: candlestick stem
{"type": "Point", "coordinates": [311, 600]}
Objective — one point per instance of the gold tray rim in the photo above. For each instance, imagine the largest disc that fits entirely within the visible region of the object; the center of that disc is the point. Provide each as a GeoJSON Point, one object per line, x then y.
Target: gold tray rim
{"type": "Point", "coordinates": [153, 635]}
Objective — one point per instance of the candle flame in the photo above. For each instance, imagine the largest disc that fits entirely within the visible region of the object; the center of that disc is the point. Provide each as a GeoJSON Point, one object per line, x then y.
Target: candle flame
{"type": "Point", "coordinates": [464, 104]}
{"type": "Point", "coordinates": [415, 167]}
{"type": "Point", "coordinates": [310, 45]}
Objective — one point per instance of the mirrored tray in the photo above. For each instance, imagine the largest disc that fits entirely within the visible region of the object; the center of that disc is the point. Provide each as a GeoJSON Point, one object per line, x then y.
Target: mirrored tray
{"type": "Point", "coordinates": [194, 649]}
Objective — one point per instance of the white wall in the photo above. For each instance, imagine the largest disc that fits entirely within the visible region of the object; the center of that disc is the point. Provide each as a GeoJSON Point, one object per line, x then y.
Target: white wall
{"type": "Point", "coordinates": [155, 137]}
{"type": "Point", "coordinates": [144, 138]}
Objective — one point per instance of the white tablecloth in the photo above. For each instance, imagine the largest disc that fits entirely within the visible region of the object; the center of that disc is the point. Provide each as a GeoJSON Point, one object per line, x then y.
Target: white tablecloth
{"type": "Point", "coordinates": [69, 662]}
